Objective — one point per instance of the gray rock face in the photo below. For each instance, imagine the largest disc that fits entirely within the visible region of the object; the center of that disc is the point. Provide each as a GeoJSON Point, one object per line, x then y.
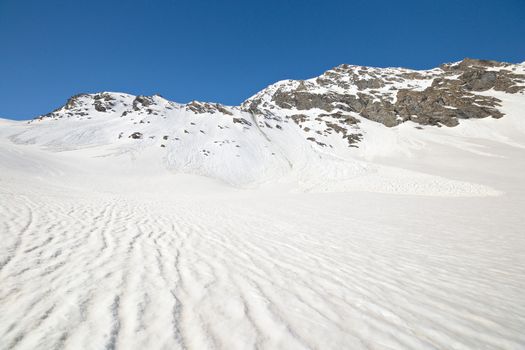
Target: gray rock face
{"type": "Point", "coordinates": [103, 102]}
{"type": "Point", "coordinates": [136, 135]}
{"type": "Point", "coordinates": [142, 101]}
{"type": "Point", "coordinates": [205, 107]}
{"type": "Point", "coordinates": [437, 105]}
{"type": "Point", "coordinates": [441, 96]}
{"type": "Point", "coordinates": [74, 101]}
{"type": "Point", "coordinates": [77, 105]}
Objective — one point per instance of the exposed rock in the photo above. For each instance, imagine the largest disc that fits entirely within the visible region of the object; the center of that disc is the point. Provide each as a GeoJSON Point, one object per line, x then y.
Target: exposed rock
{"type": "Point", "coordinates": [99, 107]}
{"type": "Point", "coordinates": [433, 106]}
{"type": "Point", "coordinates": [241, 121]}
{"type": "Point", "coordinates": [204, 107]}
{"type": "Point", "coordinates": [222, 109]}
{"type": "Point", "coordinates": [103, 102]}
{"type": "Point", "coordinates": [142, 101]}
{"type": "Point", "coordinates": [476, 76]}
{"type": "Point", "coordinates": [74, 101]}
{"type": "Point", "coordinates": [348, 120]}
{"type": "Point", "coordinates": [299, 118]}
{"type": "Point", "coordinates": [303, 100]}
{"type": "Point", "coordinates": [437, 97]}
{"type": "Point", "coordinates": [136, 135]}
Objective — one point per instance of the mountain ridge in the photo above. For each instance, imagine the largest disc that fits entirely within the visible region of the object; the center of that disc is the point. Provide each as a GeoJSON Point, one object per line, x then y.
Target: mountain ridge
{"type": "Point", "coordinates": [320, 130]}
{"type": "Point", "coordinates": [386, 95]}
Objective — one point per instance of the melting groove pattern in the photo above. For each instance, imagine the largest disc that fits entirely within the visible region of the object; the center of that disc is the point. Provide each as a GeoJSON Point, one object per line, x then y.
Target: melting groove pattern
{"type": "Point", "coordinates": [107, 272]}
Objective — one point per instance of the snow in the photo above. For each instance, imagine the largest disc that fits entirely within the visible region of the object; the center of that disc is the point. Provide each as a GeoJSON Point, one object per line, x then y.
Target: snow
{"type": "Point", "coordinates": [414, 240]}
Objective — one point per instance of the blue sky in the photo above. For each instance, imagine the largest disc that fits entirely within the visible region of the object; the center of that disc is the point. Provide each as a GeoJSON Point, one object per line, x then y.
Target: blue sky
{"type": "Point", "coordinates": [225, 51]}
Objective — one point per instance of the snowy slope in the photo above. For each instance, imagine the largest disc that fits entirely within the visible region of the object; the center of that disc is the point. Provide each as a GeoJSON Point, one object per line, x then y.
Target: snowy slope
{"type": "Point", "coordinates": [133, 222]}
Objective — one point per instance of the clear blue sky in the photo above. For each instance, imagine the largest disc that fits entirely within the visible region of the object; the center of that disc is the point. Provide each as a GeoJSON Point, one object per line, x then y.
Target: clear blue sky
{"type": "Point", "coordinates": [224, 51]}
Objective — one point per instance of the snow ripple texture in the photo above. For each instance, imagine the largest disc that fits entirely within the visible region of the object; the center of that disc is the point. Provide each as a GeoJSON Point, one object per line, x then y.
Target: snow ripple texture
{"type": "Point", "coordinates": [308, 271]}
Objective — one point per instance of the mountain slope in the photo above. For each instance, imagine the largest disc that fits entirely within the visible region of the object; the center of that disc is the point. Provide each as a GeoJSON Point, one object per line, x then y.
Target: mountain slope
{"type": "Point", "coordinates": [320, 133]}
{"type": "Point", "coordinates": [346, 234]}
{"type": "Point", "coordinates": [394, 95]}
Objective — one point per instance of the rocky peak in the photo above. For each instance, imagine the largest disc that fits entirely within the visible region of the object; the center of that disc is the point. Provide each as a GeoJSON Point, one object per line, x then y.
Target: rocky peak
{"type": "Point", "coordinates": [391, 96]}
{"type": "Point", "coordinates": [83, 105]}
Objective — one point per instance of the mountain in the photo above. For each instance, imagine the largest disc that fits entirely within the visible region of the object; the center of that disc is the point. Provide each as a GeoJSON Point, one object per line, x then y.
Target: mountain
{"type": "Point", "coordinates": [323, 129]}
{"type": "Point", "coordinates": [366, 208]}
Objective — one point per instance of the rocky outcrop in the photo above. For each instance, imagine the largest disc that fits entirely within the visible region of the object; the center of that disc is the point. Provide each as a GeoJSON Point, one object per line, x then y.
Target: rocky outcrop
{"type": "Point", "coordinates": [142, 101]}
{"type": "Point", "coordinates": [103, 102]}
{"type": "Point", "coordinates": [390, 96]}
{"type": "Point", "coordinates": [482, 75]}
{"type": "Point", "coordinates": [136, 135]}
{"type": "Point", "coordinates": [74, 101]}
{"type": "Point", "coordinates": [436, 106]}
{"type": "Point", "coordinates": [204, 107]}
{"type": "Point", "coordinates": [79, 105]}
